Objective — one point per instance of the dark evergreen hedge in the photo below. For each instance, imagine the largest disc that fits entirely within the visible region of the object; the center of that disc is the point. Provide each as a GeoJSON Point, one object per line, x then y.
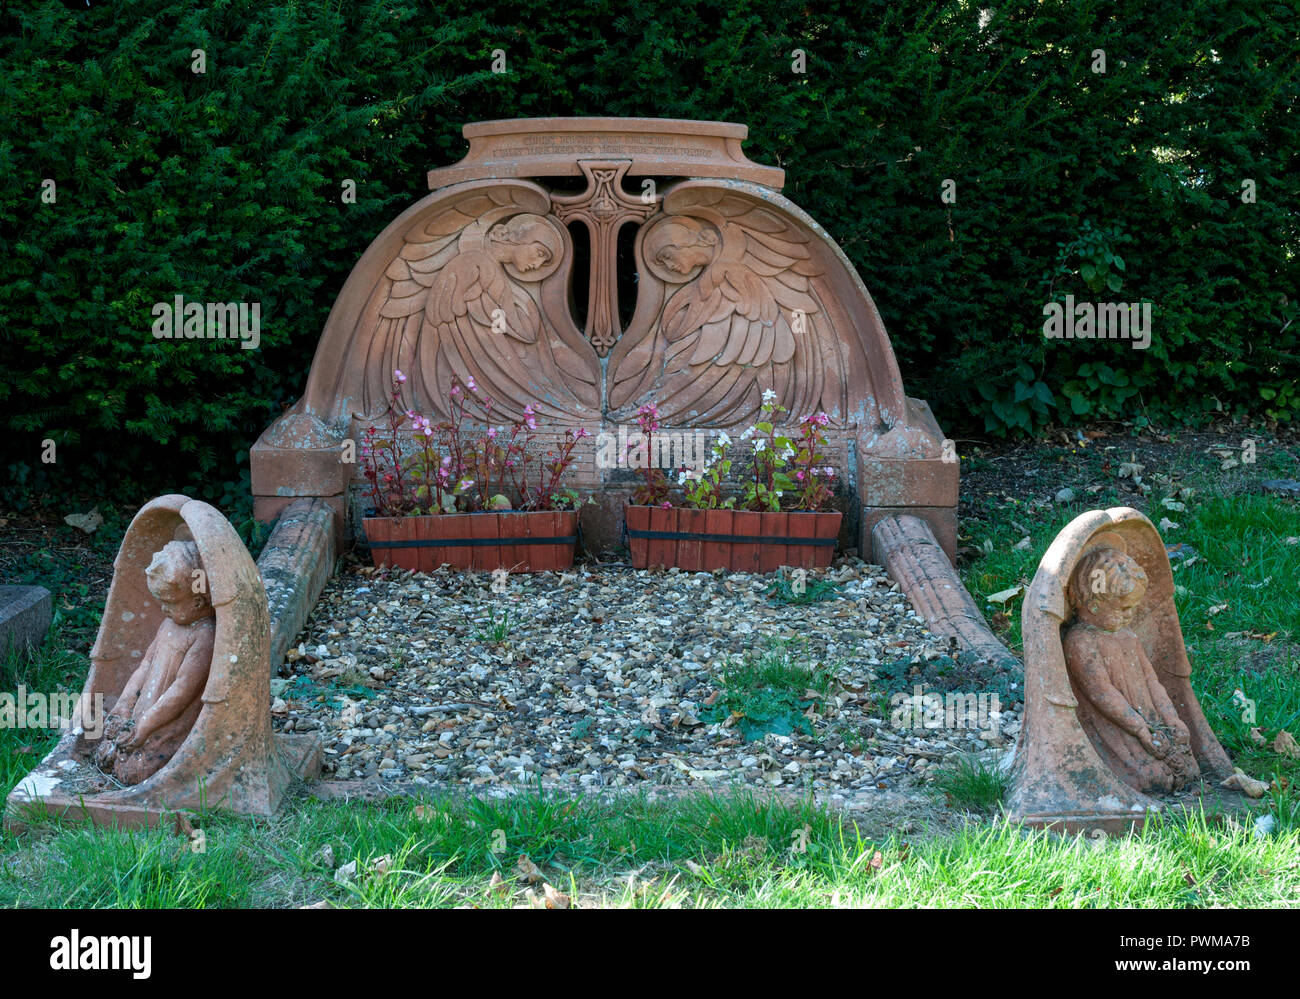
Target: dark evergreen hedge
{"type": "Point", "coordinates": [227, 186]}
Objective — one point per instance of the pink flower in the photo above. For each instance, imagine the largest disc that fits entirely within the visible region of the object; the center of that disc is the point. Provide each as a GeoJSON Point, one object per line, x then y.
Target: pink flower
{"type": "Point", "coordinates": [455, 390]}
{"type": "Point", "coordinates": [665, 505]}
{"type": "Point", "coordinates": [492, 433]}
{"type": "Point", "coordinates": [582, 432]}
{"type": "Point", "coordinates": [469, 383]}
{"type": "Point", "coordinates": [428, 430]}
{"type": "Point", "coordinates": [799, 476]}
{"type": "Point", "coordinates": [446, 461]}
{"type": "Point", "coordinates": [399, 377]}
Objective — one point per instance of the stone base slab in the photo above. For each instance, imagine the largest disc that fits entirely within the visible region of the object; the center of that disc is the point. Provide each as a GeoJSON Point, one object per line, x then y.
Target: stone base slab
{"type": "Point", "coordinates": [25, 616]}
{"type": "Point", "coordinates": [37, 798]}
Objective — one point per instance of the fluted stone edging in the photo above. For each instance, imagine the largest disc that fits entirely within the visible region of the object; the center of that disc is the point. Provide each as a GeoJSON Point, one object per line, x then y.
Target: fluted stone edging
{"type": "Point", "coordinates": [906, 548]}
{"type": "Point", "coordinates": [295, 565]}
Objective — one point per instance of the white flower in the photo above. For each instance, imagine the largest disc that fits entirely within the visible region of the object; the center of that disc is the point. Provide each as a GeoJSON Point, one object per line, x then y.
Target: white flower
{"type": "Point", "coordinates": [760, 444]}
{"type": "Point", "coordinates": [788, 453]}
{"type": "Point", "coordinates": [768, 395]}
{"type": "Point", "coordinates": [723, 439]}
{"type": "Point", "coordinates": [681, 478]}
{"type": "Point", "coordinates": [776, 493]}
{"type": "Point", "coordinates": [747, 434]}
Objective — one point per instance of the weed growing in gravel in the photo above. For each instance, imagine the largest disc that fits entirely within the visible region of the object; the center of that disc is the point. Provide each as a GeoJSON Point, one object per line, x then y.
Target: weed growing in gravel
{"type": "Point", "coordinates": [305, 689]}
{"type": "Point", "coordinates": [770, 692]}
{"type": "Point", "coordinates": [498, 630]}
{"type": "Point", "coordinates": [971, 783]}
{"type": "Point", "coordinates": [782, 591]}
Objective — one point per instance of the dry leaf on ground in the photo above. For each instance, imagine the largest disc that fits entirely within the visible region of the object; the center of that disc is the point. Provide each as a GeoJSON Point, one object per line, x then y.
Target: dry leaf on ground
{"type": "Point", "coordinates": [1286, 745]}
{"type": "Point", "coordinates": [1002, 596]}
{"type": "Point", "coordinates": [1248, 786]}
{"type": "Point", "coordinates": [529, 871]}
{"type": "Point", "coordinates": [555, 899]}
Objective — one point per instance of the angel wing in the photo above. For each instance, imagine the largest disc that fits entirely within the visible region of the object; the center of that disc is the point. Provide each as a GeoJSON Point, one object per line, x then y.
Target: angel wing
{"type": "Point", "coordinates": [460, 301]}
{"type": "Point", "coordinates": [745, 315]}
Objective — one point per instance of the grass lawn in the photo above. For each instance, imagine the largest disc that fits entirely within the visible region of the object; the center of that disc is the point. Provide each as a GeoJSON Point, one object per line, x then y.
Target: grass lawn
{"type": "Point", "coordinates": [1238, 602]}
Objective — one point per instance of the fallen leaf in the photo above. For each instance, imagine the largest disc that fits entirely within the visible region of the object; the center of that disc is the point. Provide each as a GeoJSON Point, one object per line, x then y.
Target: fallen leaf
{"type": "Point", "coordinates": [1168, 525]}
{"type": "Point", "coordinates": [1022, 545]}
{"type": "Point", "coordinates": [1000, 622]}
{"type": "Point", "coordinates": [1286, 745]}
{"type": "Point", "coordinates": [1217, 609]}
{"type": "Point", "coordinates": [346, 874]}
{"type": "Point", "coordinates": [325, 856]}
{"type": "Point", "coordinates": [380, 865]}
{"type": "Point", "coordinates": [498, 886]}
{"type": "Point", "coordinates": [1257, 737]}
{"type": "Point", "coordinates": [1248, 786]}
{"type": "Point", "coordinates": [876, 862]}
{"type": "Point", "coordinates": [88, 522]}
{"type": "Point", "coordinates": [322, 904]}
{"type": "Point", "coordinates": [694, 868]}
{"type": "Point", "coordinates": [529, 871]}
{"type": "Point", "coordinates": [1002, 596]}
{"type": "Point", "coordinates": [184, 827]}
{"type": "Point", "coordinates": [1129, 469]}
{"type": "Point", "coordinates": [1170, 503]}
{"type": "Point", "coordinates": [555, 899]}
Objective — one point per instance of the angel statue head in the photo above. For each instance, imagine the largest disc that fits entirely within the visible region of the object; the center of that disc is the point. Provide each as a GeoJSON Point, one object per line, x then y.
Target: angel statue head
{"type": "Point", "coordinates": [524, 241]}
{"type": "Point", "coordinates": [170, 578]}
{"type": "Point", "coordinates": [1106, 588]}
{"type": "Point", "coordinates": [680, 244]}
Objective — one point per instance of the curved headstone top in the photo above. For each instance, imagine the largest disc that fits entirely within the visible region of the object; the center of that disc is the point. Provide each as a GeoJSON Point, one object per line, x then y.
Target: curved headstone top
{"type": "Point", "coordinates": [552, 147]}
{"type": "Point", "coordinates": [738, 293]}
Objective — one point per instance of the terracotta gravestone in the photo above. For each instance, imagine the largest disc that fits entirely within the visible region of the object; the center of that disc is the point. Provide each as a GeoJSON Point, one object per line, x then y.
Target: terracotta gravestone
{"type": "Point", "coordinates": [182, 668]}
{"type": "Point", "coordinates": [1111, 721]}
{"type": "Point", "coordinates": [737, 290]}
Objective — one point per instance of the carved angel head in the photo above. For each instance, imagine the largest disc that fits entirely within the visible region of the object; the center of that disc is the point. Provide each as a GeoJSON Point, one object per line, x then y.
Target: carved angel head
{"type": "Point", "coordinates": [679, 245]}
{"type": "Point", "coordinates": [526, 242]}
{"type": "Point", "coordinates": [1107, 587]}
{"type": "Point", "coordinates": [171, 577]}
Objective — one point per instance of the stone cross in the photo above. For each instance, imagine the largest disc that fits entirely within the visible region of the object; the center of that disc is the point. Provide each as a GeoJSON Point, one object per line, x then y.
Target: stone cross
{"type": "Point", "coordinates": [604, 208]}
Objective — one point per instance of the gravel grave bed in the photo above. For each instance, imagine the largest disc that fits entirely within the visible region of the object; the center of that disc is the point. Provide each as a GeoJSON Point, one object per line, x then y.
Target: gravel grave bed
{"type": "Point", "coordinates": [606, 677]}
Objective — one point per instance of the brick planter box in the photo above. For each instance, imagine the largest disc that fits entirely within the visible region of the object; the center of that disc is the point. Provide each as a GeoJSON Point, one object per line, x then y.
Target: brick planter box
{"type": "Point", "coordinates": [519, 541]}
{"type": "Point", "coordinates": [740, 540]}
